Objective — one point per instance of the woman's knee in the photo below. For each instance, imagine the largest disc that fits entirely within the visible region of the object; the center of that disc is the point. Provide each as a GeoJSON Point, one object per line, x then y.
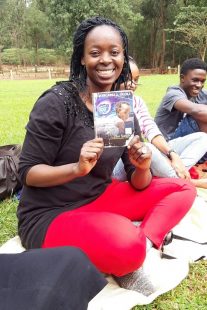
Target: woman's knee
{"type": "Point", "coordinates": [128, 253]}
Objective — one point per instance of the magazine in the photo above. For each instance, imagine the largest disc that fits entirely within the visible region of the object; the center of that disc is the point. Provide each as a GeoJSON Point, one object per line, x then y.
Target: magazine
{"type": "Point", "coordinates": [114, 117]}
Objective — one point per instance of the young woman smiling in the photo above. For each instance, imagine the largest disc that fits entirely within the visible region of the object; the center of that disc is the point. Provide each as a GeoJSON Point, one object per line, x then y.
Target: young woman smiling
{"type": "Point", "coordinates": [69, 197]}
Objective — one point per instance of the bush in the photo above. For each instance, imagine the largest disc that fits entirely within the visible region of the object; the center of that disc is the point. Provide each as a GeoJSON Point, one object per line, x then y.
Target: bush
{"type": "Point", "coordinates": [15, 56]}
{"type": "Point", "coordinates": [10, 56]}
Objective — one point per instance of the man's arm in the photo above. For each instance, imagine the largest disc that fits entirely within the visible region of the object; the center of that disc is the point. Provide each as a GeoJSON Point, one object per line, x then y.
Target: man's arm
{"type": "Point", "coordinates": [197, 111]}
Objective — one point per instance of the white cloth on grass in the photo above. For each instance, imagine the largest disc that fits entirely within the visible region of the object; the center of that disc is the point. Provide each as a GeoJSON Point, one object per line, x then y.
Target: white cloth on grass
{"type": "Point", "coordinates": [163, 274]}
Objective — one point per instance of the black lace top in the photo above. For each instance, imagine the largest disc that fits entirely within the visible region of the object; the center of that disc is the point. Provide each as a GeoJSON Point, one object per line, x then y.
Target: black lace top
{"type": "Point", "coordinates": [59, 125]}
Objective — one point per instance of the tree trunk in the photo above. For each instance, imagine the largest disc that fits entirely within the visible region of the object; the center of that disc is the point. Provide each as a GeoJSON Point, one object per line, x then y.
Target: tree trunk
{"type": "Point", "coordinates": [202, 53]}
{"type": "Point", "coordinates": [173, 51]}
{"type": "Point", "coordinates": [36, 54]}
{"type": "Point", "coordinates": [154, 39]}
{"type": "Point", "coordinates": [163, 22]}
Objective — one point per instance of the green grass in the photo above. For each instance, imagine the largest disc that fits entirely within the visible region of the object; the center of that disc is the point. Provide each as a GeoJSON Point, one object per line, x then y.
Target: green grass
{"type": "Point", "coordinates": [153, 87]}
{"type": "Point", "coordinates": [16, 101]}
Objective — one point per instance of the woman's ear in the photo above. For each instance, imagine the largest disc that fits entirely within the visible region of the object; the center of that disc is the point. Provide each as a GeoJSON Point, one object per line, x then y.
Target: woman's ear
{"type": "Point", "coordinates": [82, 61]}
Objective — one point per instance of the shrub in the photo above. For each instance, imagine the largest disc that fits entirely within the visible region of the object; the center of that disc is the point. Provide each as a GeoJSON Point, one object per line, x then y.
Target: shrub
{"type": "Point", "coordinates": [16, 56]}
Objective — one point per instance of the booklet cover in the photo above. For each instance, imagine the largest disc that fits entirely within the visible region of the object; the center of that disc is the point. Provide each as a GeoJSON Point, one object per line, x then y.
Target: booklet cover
{"type": "Point", "coordinates": [114, 117]}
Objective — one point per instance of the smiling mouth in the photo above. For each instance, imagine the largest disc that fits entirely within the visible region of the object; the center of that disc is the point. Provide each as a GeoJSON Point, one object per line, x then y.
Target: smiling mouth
{"type": "Point", "coordinates": [196, 91]}
{"type": "Point", "coordinates": [105, 72]}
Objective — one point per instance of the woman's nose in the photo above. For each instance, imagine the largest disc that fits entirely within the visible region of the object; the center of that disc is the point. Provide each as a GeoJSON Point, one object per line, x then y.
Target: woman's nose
{"type": "Point", "coordinates": [105, 58]}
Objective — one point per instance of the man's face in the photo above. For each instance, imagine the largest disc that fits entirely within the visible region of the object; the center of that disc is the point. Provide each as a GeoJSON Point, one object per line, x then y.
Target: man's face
{"type": "Point", "coordinates": [124, 112]}
{"type": "Point", "coordinates": [193, 81]}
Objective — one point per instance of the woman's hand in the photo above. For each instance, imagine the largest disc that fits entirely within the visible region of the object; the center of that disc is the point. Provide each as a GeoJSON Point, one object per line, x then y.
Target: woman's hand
{"type": "Point", "coordinates": [139, 154]}
{"type": "Point", "coordinates": [179, 167]}
{"type": "Point", "coordinates": [90, 153]}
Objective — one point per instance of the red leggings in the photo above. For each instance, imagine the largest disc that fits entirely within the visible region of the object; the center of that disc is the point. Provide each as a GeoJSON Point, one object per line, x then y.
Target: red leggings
{"type": "Point", "coordinates": [103, 228]}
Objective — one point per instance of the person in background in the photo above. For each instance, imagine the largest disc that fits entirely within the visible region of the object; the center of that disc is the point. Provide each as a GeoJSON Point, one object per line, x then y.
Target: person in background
{"type": "Point", "coordinates": [48, 279]}
{"type": "Point", "coordinates": [183, 109]}
{"type": "Point", "coordinates": [69, 197]}
{"type": "Point", "coordinates": [169, 159]}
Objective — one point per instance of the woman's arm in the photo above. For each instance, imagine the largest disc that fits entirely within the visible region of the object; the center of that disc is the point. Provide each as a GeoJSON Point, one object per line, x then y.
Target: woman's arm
{"type": "Point", "coordinates": [153, 134]}
{"type": "Point", "coordinates": [174, 159]}
{"type": "Point", "coordinates": [45, 176]}
{"type": "Point", "coordinates": [147, 124]}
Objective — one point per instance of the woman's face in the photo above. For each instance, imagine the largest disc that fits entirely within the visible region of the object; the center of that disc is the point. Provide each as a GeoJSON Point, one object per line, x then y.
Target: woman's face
{"type": "Point", "coordinates": [103, 57]}
{"type": "Point", "coordinates": [132, 85]}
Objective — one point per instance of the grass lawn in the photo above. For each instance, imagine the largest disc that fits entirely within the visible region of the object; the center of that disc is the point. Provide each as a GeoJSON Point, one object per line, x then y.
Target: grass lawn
{"type": "Point", "coordinates": [16, 101]}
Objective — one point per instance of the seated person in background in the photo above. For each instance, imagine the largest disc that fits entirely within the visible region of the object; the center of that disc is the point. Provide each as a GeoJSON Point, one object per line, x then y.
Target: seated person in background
{"type": "Point", "coordinates": [165, 159]}
{"type": "Point", "coordinates": [50, 279]}
{"type": "Point", "coordinates": [183, 109]}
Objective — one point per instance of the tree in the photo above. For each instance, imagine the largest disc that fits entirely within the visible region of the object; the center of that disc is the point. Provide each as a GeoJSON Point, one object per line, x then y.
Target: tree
{"type": "Point", "coordinates": [5, 38]}
{"type": "Point", "coordinates": [156, 14]}
{"type": "Point", "coordinates": [67, 15]}
{"type": "Point", "coordinates": [37, 29]}
{"type": "Point", "coordinates": [191, 24]}
{"type": "Point", "coordinates": [15, 19]}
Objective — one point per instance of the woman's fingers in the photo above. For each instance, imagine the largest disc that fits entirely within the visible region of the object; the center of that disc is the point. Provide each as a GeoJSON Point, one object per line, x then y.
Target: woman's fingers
{"type": "Point", "coordinates": [134, 140]}
{"type": "Point", "coordinates": [92, 149]}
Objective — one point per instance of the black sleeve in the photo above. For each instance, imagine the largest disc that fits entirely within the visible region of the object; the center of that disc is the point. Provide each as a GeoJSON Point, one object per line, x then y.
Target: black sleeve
{"type": "Point", "coordinates": [44, 134]}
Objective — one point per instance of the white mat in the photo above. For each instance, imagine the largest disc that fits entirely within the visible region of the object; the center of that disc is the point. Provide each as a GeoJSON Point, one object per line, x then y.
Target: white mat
{"type": "Point", "coordinates": [194, 227]}
{"type": "Point", "coordinates": [164, 274]}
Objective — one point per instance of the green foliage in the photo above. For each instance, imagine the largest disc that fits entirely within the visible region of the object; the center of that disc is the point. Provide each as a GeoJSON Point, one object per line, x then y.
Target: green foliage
{"type": "Point", "coordinates": [37, 29]}
{"type": "Point", "coordinates": [191, 23]}
{"type": "Point", "coordinates": [64, 15]}
{"type": "Point", "coordinates": [15, 56]}
{"type": "Point", "coordinates": [35, 24]}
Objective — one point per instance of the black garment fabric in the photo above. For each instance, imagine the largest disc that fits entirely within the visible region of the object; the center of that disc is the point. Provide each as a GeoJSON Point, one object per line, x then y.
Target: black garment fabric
{"type": "Point", "coordinates": [58, 127]}
{"type": "Point", "coordinates": [48, 279]}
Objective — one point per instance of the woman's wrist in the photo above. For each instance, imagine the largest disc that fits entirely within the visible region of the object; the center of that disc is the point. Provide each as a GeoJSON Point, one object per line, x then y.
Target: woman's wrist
{"type": "Point", "coordinates": [141, 178]}
{"type": "Point", "coordinates": [76, 170]}
{"type": "Point", "coordinates": [170, 154]}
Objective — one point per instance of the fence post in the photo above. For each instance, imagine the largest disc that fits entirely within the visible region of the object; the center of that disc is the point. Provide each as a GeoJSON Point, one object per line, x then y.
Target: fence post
{"type": "Point", "coordinates": [11, 75]}
{"type": "Point", "coordinates": [49, 73]}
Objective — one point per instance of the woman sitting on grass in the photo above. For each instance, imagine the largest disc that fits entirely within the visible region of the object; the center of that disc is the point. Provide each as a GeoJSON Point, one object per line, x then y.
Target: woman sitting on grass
{"type": "Point", "coordinates": [69, 197]}
{"type": "Point", "coordinates": [170, 159]}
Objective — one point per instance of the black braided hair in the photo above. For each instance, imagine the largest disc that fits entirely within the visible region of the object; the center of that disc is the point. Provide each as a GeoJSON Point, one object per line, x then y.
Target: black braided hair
{"type": "Point", "coordinates": [77, 71]}
{"type": "Point", "coordinates": [192, 64]}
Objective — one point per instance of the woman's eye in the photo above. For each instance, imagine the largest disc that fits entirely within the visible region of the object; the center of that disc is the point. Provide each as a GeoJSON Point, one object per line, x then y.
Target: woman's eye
{"type": "Point", "coordinates": [95, 54]}
{"type": "Point", "coordinates": [115, 53]}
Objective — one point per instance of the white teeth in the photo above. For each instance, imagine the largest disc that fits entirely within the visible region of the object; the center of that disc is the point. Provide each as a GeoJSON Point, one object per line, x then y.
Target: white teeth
{"type": "Point", "coordinates": [109, 70]}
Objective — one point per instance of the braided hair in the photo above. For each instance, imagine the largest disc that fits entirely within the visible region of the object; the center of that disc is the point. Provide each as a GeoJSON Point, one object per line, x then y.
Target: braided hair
{"type": "Point", "coordinates": [78, 72]}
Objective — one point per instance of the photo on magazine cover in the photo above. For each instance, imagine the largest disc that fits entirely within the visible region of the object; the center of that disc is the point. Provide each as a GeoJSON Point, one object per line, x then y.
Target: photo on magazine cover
{"type": "Point", "coordinates": [114, 117]}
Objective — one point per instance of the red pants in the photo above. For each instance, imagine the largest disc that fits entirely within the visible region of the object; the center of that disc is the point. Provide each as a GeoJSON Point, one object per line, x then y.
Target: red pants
{"type": "Point", "coordinates": [103, 228]}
